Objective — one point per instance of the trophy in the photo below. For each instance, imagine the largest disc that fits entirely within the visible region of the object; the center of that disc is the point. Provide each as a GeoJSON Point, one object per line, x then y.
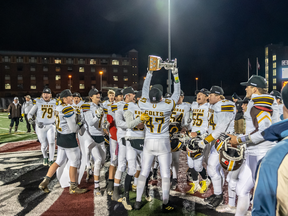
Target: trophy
{"type": "Point", "coordinates": [155, 63]}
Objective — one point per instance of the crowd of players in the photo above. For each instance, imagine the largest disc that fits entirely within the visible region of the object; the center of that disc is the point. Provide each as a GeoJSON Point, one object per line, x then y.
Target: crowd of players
{"type": "Point", "coordinates": [145, 130]}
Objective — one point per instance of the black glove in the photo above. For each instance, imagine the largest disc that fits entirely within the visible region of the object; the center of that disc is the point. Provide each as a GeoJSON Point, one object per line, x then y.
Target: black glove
{"type": "Point", "coordinates": [21, 119]}
{"type": "Point", "coordinates": [9, 116]}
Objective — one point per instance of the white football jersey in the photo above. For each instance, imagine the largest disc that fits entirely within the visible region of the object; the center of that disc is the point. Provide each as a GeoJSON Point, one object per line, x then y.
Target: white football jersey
{"type": "Point", "coordinates": [199, 117]}
{"type": "Point", "coordinates": [61, 113]}
{"type": "Point", "coordinates": [179, 112]}
{"type": "Point", "coordinates": [221, 118]}
{"type": "Point", "coordinates": [110, 106]}
{"type": "Point", "coordinates": [158, 125]}
{"type": "Point", "coordinates": [93, 123]}
{"type": "Point", "coordinates": [45, 110]}
{"type": "Point", "coordinates": [134, 132]}
{"type": "Point", "coordinates": [118, 109]}
{"type": "Point", "coordinates": [77, 107]}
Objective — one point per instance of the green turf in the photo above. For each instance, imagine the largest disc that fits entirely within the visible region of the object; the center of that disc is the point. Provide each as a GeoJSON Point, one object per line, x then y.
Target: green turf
{"type": "Point", "coordinates": [13, 137]}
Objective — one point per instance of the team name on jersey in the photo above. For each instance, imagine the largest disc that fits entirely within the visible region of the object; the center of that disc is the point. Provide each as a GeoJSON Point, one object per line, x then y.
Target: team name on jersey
{"type": "Point", "coordinates": [199, 110]}
{"type": "Point", "coordinates": [211, 110]}
{"type": "Point", "coordinates": [154, 113]}
{"type": "Point", "coordinates": [178, 110]}
{"type": "Point", "coordinates": [137, 112]}
{"type": "Point", "coordinates": [47, 106]}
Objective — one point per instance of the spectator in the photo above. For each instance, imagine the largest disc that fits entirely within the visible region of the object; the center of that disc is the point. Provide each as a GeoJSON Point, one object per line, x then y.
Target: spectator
{"type": "Point", "coordinates": [14, 113]}
{"type": "Point", "coordinates": [26, 107]}
{"type": "Point", "coordinates": [239, 118]}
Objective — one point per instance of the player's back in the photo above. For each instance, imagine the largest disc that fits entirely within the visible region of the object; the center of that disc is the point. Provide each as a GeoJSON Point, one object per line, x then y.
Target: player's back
{"type": "Point", "coordinates": [61, 113]}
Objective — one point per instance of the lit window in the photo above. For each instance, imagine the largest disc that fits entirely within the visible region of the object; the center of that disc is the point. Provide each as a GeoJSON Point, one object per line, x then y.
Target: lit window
{"type": "Point", "coordinates": [6, 59]}
{"type": "Point", "coordinates": [125, 78]}
{"type": "Point", "coordinates": [274, 57]}
{"type": "Point", "coordinates": [7, 77]}
{"type": "Point", "coordinates": [58, 86]}
{"type": "Point", "coordinates": [81, 61]}
{"type": "Point", "coordinates": [274, 80]}
{"type": "Point", "coordinates": [33, 77]}
{"type": "Point", "coordinates": [58, 69]}
{"type": "Point", "coordinates": [135, 66]}
{"type": "Point", "coordinates": [266, 52]}
{"type": "Point", "coordinates": [7, 67]}
{"type": "Point", "coordinates": [7, 86]}
{"type": "Point", "coordinates": [125, 70]}
{"type": "Point", "coordinates": [115, 70]}
{"type": "Point", "coordinates": [57, 61]}
{"type": "Point", "coordinates": [69, 61]}
{"type": "Point", "coordinates": [274, 65]}
{"type": "Point", "coordinates": [33, 87]}
{"type": "Point", "coordinates": [32, 60]}
{"type": "Point", "coordinates": [32, 68]}
{"type": "Point", "coordinates": [115, 62]}
{"type": "Point", "coordinates": [81, 86]}
{"type": "Point", "coordinates": [115, 78]}
{"type": "Point", "coordinates": [92, 69]}
{"type": "Point", "coordinates": [274, 72]}
{"type": "Point", "coordinates": [20, 77]}
{"type": "Point", "coordinates": [58, 77]}
{"type": "Point", "coordinates": [92, 61]}
{"type": "Point", "coordinates": [45, 68]}
{"type": "Point", "coordinates": [81, 69]}
{"type": "Point", "coordinates": [19, 59]}
{"type": "Point", "coordinates": [274, 87]}
{"type": "Point", "coordinates": [266, 61]}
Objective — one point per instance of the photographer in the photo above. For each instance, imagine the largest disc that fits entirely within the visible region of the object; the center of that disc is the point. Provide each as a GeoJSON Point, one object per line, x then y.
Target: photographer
{"type": "Point", "coordinates": [14, 113]}
{"type": "Point", "coordinates": [26, 107]}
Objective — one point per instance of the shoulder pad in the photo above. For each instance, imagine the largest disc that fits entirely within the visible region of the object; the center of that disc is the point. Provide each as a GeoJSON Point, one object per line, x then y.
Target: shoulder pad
{"type": "Point", "coordinates": [85, 107]}
{"type": "Point", "coordinates": [113, 107]}
{"type": "Point", "coordinates": [67, 110]}
{"type": "Point", "coordinates": [125, 107]}
{"type": "Point", "coordinates": [263, 100]}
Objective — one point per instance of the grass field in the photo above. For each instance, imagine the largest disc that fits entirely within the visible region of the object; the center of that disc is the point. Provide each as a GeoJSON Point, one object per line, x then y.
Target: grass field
{"type": "Point", "coordinates": [13, 137]}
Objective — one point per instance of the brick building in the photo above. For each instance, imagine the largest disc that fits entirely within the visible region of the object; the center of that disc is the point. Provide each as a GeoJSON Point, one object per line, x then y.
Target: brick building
{"type": "Point", "coordinates": [29, 72]}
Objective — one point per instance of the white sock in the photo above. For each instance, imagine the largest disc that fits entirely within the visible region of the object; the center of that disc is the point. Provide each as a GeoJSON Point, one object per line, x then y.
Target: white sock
{"type": "Point", "coordinates": [140, 188]}
{"type": "Point", "coordinates": [135, 181]}
{"type": "Point", "coordinates": [116, 184]}
{"type": "Point", "coordinates": [242, 205]}
{"type": "Point", "coordinates": [96, 184]}
{"type": "Point", "coordinates": [165, 189]}
{"type": "Point", "coordinates": [217, 185]}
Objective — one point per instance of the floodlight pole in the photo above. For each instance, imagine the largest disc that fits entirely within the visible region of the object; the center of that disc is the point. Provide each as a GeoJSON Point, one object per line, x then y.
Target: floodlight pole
{"type": "Point", "coordinates": [169, 46]}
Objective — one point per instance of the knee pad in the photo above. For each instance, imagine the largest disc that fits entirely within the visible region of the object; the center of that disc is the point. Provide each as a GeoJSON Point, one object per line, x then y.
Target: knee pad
{"type": "Point", "coordinates": [198, 167]}
{"type": "Point", "coordinates": [61, 161]}
{"type": "Point", "coordinates": [97, 164]}
{"type": "Point", "coordinates": [131, 170]}
{"type": "Point", "coordinates": [118, 174]}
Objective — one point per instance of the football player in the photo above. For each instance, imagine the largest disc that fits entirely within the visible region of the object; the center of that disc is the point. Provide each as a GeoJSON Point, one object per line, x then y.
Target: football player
{"type": "Point", "coordinates": [157, 141]}
{"type": "Point", "coordinates": [45, 124]}
{"type": "Point", "coordinates": [68, 148]}
{"type": "Point", "coordinates": [278, 98]}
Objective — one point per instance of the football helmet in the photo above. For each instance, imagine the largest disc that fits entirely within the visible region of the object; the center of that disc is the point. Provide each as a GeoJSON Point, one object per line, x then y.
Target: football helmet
{"type": "Point", "coordinates": [222, 139]}
{"type": "Point", "coordinates": [192, 148]}
{"type": "Point", "coordinates": [174, 132]}
{"type": "Point", "coordinates": [231, 158]}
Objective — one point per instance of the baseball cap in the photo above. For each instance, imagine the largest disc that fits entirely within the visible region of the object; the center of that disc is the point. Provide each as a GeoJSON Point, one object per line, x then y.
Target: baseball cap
{"type": "Point", "coordinates": [284, 94]}
{"type": "Point", "coordinates": [159, 86]}
{"type": "Point", "coordinates": [94, 91]}
{"type": "Point", "coordinates": [16, 98]}
{"type": "Point", "coordinates": [47, 90]}
{"type": "Point", "coordinates": [255, 81]}
{"type": "Point", "coordinates": [155, 95]}
{"type": "Point", "coordinates": [216, 90]}
{"type": "Point", "coordinates": [76, 94]}
{"type": "Point", "coordinates": [139, 94]}
{"type": "Point", "coordinates": [65, 93]}
{"type": "Point", "coordinates": [128, 90]}
{"type": "Point", "coordinates": [118, 92]}
{"type": "Point", "coordinates": [276, 94]}
{"type": "Point", "coordinates": [204, 91]}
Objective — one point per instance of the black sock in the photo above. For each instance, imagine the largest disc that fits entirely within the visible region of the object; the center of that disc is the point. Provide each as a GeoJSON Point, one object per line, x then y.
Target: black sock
{"type": "Point", "coordinates": [194, 174]}
{"type": "Point", "coordinates": [128, 180]}
{"type": "Point", "coordinates": [111, 180]}
{"type": "Point", "coordinates": [203, 174]}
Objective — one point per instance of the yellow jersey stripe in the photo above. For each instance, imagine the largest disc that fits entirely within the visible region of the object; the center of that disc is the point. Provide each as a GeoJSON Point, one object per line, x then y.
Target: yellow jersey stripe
{"type": "Point", "coordinates": [264, 118]}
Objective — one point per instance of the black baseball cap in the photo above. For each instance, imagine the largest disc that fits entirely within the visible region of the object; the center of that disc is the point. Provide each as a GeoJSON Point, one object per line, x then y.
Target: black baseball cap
{"type": "Point", "coordinates": [159, 86]}
{"type": "Point", "coordinates": [128, 90]}
{"type": "Point", "coordinates": [65, 93]}
{"type": "Point", "coordinates": [139, 94]}
{"type": "Point", "coordinates": [204, 91]}
{"type": "Point", "coordinates": [255, 81]}
{"type": "Point", "coordinates": [47, 90]}
{"type": "Point", "coordinates": [155, 95]}
{"type": "Point", "coordinates": [284, 94]}
{"type": "Point", "coordinates": [94, 91]}
{"type": "Point", "coordinates": [216, 90]}
{"type": "Point", "coordinates": [76, 94]}
{"type": "Point", "coordinates": [276, 94]}
{"type": "Point", "coordinates": [118, 92]}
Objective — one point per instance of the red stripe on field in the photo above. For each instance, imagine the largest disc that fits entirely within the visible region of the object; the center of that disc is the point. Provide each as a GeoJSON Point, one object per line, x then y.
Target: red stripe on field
{"type": "Point", "coordinates": [74, 204]}
{"type": "Point", "coordinates": [20, 146]}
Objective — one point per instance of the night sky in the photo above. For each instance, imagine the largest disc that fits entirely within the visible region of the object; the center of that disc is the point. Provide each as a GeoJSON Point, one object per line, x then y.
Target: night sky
{"type": "Point", "coordinates": [211, 39]}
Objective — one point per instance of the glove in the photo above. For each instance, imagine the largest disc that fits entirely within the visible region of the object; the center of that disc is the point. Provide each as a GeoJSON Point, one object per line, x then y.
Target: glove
{"type": "Point", "coordinates": [99, 112]}
{"type": "Point", "coordinates": [202, 143]}
{"type": "Point", "coordinates": [144, 117]}
{"type": "Point", "coordinates": [31, 121]}
{"type": "Point", "coordinates": [9, 116]}
{"type": "Point", "coordinates": [21, 119]}
{"type": "Point", "coordinates": [23, 115]}
{"type": "Point", "coordinates": [184, 139]}
{"type": "Point", "coordinates": [105, 125]}
{"type": "Point", "coordinates": [78, 118]}
{"type": "Point", "coordinates": [40, 124]}
{"type": "Point", "coordinates": [80, 123]}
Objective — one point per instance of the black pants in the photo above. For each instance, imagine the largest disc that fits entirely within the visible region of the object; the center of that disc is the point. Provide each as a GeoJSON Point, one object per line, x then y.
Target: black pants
{"type": "Point", "coordinates": [16, 120]}
{"type": "Point", "coordinates": [28, 126]}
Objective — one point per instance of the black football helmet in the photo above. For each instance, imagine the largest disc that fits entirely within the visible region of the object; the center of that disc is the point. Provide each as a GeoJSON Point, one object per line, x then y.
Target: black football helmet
{"type": "Point", "coordinates": [192, 148]}
{"type": "Point", "coordinates": [174, 132]}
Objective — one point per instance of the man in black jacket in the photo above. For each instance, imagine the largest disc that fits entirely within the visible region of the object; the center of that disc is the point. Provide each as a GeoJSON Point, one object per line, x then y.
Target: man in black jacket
{"type": "Point", "coordinates": [14, 113]}
{"type": "Point", "coordinates": [239, 117]}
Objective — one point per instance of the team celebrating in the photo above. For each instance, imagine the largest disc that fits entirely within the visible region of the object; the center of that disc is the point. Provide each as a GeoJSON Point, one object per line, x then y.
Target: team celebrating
{"type": "Point", "coordinates": [146, 131]}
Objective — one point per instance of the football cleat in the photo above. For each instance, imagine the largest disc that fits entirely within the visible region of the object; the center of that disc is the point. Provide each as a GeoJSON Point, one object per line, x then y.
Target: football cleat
{"type": "Point", "coordinates": [134, 188]}
{"type": "Point", "coordinates": [194, 187]}
{"type": "Point", "coordinates": [45, 161]}
{"type": "Point", "coordinates": [97, 192]}
{"type": "Point", "coordinates": [137, 205]}
{"type": "Point", "coordinates": [44, 185]}
{"type": "Point", "coordinates": [216, 201]}
{"type": "Point", "coordinates": [204, 185]}
{"type": "Point", "coordinates": [210, 198]}
{"type": "Point", "coordinates": [110, 188]}
{"type": "Point", "coordinates": [50, 163]}
{"type": "Point", "coordinates": [116, 196]}
{"type": "Point", "coordinates": [73, 189]}
{"type": "Point", "coordinates": [174, 184]}
{"type": "Point", "coordinates": [126, 202]}
{"type": "Point", "coordinates": [147, 195]}
{"type": "Point", "coordinates": [167, 207]}
{"type": "Point", "coordinates": [226, 209]}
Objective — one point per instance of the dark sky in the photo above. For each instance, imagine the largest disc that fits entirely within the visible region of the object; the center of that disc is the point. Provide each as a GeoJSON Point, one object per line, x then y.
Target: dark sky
{"type": "Point", "coordinates": [211, 39]}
